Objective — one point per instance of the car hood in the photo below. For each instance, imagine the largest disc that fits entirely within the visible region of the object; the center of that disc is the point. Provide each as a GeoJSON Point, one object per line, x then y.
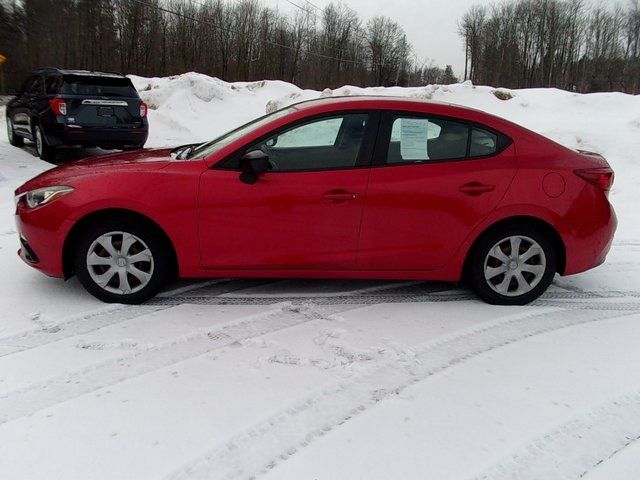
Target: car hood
{"type": "Point", "coordinates": [142, 160]}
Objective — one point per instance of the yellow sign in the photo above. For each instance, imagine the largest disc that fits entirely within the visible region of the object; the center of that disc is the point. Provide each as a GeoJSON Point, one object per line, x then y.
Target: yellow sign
{"type": "Point", "coordinates": [2, 58]}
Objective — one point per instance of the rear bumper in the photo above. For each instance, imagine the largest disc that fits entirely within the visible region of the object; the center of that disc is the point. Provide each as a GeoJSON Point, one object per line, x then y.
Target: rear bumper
{"type": "Point", "coordinates": [588, 247]}
{"type": "Point", "coordinates": [60, 134]}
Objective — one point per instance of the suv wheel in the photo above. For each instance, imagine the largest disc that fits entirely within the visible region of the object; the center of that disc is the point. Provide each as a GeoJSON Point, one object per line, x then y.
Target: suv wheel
{"type": "Point", "coordinates": [14, 139]}
{"type": "Point", "coordinates": [120, 262]}
{"type": "Point", "coordinates": [512, 266]}
{"type": "Point", "coordinates": [43, 150]}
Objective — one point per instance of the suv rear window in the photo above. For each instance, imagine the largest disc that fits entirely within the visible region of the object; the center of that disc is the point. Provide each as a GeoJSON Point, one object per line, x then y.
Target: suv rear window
{"type": "Point", "coordinates": [98, 86]}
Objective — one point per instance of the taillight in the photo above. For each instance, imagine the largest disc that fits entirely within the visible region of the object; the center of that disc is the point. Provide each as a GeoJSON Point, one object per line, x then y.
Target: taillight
{"type": "Point", "coordinates": [143, 109]}
{"type": "Point", "coordinates": [600, 177]}
{"type": "Point", "coordinates": [58, 105]}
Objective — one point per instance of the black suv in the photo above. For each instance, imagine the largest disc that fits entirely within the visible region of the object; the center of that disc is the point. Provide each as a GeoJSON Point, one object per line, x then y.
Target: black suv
{"type": "Point", "coordinates": [77, 108]}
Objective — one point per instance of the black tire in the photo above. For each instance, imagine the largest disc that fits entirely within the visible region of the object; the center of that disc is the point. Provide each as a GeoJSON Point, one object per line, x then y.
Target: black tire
{"type": "Point", "coordinates": [43, 150]}
{"type": "Point", "coordinates": [546, 262]}
{"type": "Point", "coordinates": [161, 270]}
{"type": "Point", "coordinates": [15, 140]}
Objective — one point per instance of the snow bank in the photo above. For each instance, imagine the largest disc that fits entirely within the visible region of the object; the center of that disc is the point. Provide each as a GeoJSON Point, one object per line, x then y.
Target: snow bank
{"type": "Point", "coordinates": [195, 107]}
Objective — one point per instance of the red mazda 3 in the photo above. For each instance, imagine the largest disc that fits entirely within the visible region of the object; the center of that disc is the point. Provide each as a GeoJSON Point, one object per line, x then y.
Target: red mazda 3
{"type": "Point", "coordinates": [358, 187]}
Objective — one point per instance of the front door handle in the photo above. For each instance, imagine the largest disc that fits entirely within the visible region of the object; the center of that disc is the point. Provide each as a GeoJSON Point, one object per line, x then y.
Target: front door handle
{"type": "Point", "coordinates": [339, 196]}
{"type": "Point", "coordinates": [474, 189]}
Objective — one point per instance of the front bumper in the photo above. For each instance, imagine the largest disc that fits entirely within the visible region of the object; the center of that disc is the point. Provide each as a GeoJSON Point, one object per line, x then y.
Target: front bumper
{"type": "Point", "coordinates": [42, 232]}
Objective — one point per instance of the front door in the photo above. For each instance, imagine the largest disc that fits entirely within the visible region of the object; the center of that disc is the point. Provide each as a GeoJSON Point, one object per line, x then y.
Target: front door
{"type": "Point", "coordinates": [304, 213]}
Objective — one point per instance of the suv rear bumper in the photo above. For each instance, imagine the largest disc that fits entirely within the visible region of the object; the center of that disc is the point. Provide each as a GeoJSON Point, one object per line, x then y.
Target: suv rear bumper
{"type": "Point", "coordinates": [59, 134]}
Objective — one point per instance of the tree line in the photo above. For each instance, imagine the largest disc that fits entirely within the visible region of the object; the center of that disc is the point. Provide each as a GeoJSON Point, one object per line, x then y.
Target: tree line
{"type": "Point", "coordinates": [567, 44]}
{"type": "Point", "coordinates": [236, 41]}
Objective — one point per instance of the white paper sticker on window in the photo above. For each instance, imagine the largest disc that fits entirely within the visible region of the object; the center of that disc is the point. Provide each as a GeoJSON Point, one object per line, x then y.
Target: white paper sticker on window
{"type": "Point", "coordinates": [413, 138]}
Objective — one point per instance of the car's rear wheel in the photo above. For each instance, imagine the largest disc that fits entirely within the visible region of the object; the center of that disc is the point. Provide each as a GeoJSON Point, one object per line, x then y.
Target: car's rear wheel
{"type": "Point", "coordinates": [14, 139]}
{"type": "Point", "coordinates": [512, 265]}
{"type": "Point", "coordinates": [43, 149]}
{"type": "Point", "coordinates": [121, 262]}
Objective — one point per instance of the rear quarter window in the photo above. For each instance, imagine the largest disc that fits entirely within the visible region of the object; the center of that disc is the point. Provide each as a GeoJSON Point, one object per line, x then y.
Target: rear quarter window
{"type": "Point", "coordinates": [98, 86]}
{"type": "Point", "coordinates": [483, 143]}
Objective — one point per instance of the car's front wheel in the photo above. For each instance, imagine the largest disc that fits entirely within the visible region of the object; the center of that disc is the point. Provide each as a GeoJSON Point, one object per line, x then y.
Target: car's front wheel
{"type": "Point", "coordinates": [122, 262]}
{"type": "Point", "coordinates": [14, 139]}
{"type": "Point", "coordinates": [512, 265]}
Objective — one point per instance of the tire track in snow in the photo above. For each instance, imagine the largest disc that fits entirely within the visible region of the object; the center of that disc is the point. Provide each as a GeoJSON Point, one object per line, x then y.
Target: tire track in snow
{"type": "Point", "coordinates": [576, 447]}
{"type": "Point", "coordinates": [111, 315]}
{"type": "Point", "coordinates": [284, 433]}
{"type": "Point", "coordinates": [69, 385]}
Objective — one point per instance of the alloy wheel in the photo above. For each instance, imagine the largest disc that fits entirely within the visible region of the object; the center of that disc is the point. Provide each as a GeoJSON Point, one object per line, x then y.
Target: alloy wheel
{"type": "Point", "coordinates": [38, 141]}
{"type": "Point", "coordinates": [120, 263]}
{"type": "Point", "coordinates": [514, 266]}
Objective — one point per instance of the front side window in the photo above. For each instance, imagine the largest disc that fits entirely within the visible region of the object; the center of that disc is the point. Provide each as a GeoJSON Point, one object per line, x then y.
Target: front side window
{"type": "Point", "coordinates": [324, 143]}
{"type": "Point", "coordinates": [419, 139]}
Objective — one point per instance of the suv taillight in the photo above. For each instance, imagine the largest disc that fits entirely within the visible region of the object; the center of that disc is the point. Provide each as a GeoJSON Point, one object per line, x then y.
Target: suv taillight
{"type": "Point", "coordinates": [601, 177]}
{"type": "Point", "coordinates": [58, 106]}
{"type": "Point", "coordinates": [143, 109]}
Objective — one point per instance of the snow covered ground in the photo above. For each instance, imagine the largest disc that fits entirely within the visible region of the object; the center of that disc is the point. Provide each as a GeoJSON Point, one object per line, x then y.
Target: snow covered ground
{"type": "Point", "coordinates": [328, 379]}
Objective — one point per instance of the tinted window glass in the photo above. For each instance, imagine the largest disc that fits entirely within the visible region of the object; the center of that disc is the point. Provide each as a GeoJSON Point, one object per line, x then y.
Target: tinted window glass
{"type": "Point", "coordinates": [98, 86]}
{"type": "Point", "coordinates": [483, 143]}
{"type": "Point", "coordinates": [425, 139]}
{"type": "Point", "coordinates": [325, 143]}
{"type": "Point", "coordinates": [52, 84]}
{"type": "Point", "coordinates": [323, 133]}
{"type": "Point", "coordinates": [36, 86]}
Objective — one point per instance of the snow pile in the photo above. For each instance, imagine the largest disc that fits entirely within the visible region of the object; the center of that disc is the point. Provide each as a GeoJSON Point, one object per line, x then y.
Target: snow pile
{"type": "Point", "coordinates": [194, 107]}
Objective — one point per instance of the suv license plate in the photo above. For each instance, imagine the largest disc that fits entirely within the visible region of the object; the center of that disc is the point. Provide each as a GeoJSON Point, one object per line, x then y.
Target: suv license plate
{"type": "Point", "coordinates": [105, 111]}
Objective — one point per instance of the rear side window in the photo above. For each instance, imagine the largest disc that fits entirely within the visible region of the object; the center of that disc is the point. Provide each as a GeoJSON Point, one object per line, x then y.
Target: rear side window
{"type": "Point", "coordinates": [52, 85]}
{"type": "Point", "coordinates": [98, 86]}
{"type": "Point", "coordinates": [416, 139]}
{"type": "Point", "coordinates": [34, 85]}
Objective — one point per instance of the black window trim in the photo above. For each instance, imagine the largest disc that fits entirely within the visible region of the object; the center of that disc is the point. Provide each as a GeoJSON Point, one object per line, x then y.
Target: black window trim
{"type": "Point", "coordinates": [386, 126]}
{"type": "Point", "coordinates": [365, 155]}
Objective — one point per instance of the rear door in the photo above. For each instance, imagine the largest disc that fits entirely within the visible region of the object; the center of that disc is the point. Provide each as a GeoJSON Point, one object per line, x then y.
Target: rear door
{"type": "Point", "coordinates": [303, 214]}
{"type": "Point", "coordinates": [108, 102]}
{"type": "Point", "coordinates": [433, 181]}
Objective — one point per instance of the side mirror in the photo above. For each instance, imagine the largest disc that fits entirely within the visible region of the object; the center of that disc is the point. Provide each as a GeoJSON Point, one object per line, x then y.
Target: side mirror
{"type": "Point", "coordinates": [253, 164]}
{"type": "Point", "coordinates": [13, 92]}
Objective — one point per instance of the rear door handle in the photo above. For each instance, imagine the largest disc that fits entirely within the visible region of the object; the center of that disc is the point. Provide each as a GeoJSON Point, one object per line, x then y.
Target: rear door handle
{"type": "Point", "coordinates": [474, 189]}
{"type": "Point", "coordinates": [340, 196]}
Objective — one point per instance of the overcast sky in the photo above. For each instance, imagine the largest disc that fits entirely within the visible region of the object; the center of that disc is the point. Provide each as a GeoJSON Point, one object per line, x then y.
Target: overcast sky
{"type": "Point", "coordinates": [431, 25]}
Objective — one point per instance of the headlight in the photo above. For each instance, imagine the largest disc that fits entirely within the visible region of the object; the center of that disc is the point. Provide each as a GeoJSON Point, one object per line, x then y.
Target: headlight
{"type": "Point", "coordinates": [40, 196]}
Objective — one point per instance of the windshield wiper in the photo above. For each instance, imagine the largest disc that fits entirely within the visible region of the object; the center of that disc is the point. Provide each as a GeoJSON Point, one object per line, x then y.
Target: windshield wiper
{"type": "Point", "coordinates": [183, 151]}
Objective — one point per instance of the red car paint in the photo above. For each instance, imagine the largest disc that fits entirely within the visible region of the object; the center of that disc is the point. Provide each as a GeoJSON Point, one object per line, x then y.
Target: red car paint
{"type": "Point", "coordinates": [401, 221]}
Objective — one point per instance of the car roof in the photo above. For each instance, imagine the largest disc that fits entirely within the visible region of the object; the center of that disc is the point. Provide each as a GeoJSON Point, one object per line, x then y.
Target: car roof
{"type": "Point", "coordinates": [87, 73]}
{"type": "Point", "coordinates": [386, 102]}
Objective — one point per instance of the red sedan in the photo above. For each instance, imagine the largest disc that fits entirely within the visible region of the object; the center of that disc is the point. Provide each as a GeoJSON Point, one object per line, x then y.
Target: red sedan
{"type": "Point", "coordinates": [359, 187]}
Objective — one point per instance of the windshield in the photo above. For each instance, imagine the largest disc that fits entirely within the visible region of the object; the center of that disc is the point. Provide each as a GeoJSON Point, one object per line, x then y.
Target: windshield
{"type": "Point", "coordinates": [215, 145]}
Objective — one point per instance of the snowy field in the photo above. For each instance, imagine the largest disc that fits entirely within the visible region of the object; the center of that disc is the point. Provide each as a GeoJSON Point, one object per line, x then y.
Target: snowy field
{"type": "Point", "coordinates": [328, 380]}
